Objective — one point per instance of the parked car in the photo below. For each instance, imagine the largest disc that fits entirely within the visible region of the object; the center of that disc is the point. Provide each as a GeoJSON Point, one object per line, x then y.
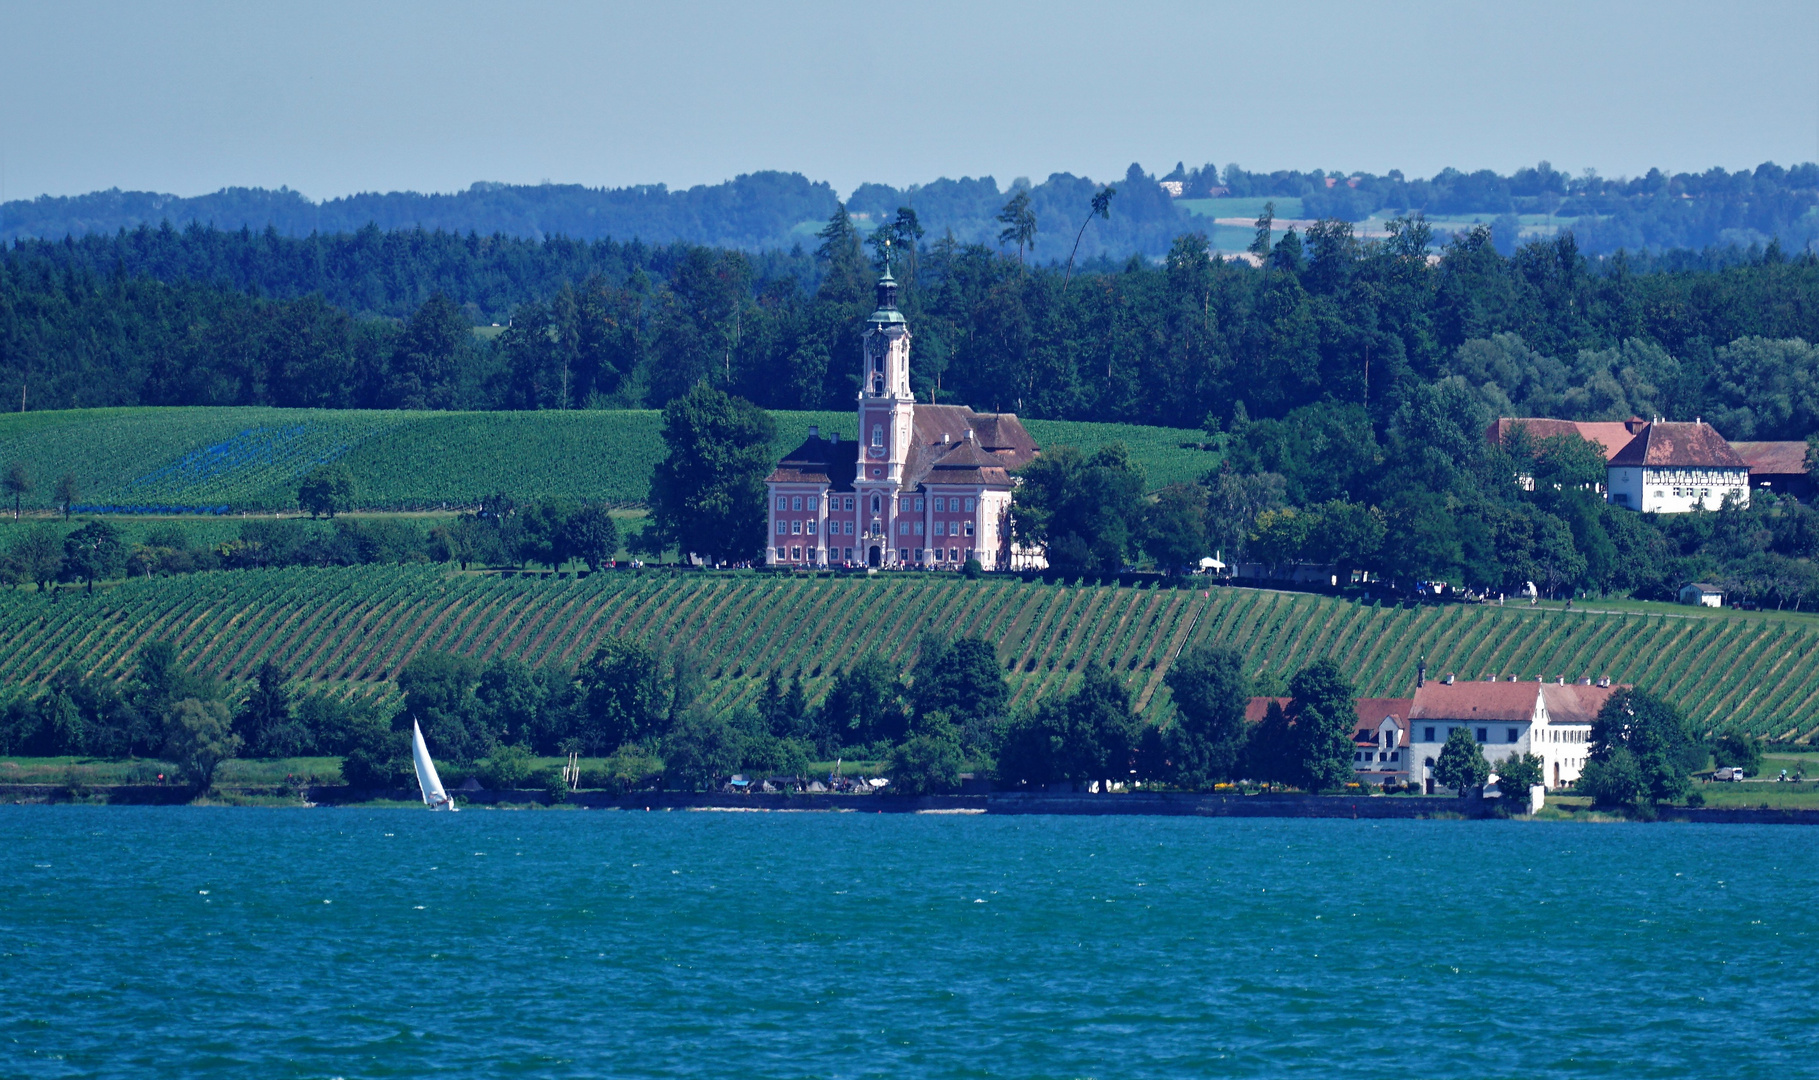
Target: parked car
{"type": "Point", "coordinates": [1728, 773]}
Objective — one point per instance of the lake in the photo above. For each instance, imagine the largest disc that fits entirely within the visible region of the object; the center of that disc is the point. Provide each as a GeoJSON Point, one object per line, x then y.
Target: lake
{"type": "Point", "coordinates": [204, 942]}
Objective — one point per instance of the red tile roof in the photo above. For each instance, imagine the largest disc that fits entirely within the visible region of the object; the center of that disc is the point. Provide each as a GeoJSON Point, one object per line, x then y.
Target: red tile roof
{"type": "Point", "coordinates": [1575, 704]}
{"type": "Point", "coordinates": [1773, 458]}
{"type": "Point", "coordinates": [1611, 436]}
{"type": "Point", "coordinates": [1371, 710]}
{"type": "Point", "coordinates": [1257, 707]}
{"type": "Point", "coordinates": [1685, 446]}
{"type": "Point", "coordinates": [1476, 701]}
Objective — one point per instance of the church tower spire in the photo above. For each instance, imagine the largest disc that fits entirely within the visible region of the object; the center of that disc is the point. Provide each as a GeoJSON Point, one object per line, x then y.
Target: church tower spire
{"type": "Point", "coordinates": [887, 341]}
{"type": "Point", "coordinates": [887, 418]}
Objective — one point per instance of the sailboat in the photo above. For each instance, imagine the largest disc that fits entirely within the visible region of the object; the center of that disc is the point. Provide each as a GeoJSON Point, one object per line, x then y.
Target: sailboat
{"type": "Point", "coordinates": [433, 795]}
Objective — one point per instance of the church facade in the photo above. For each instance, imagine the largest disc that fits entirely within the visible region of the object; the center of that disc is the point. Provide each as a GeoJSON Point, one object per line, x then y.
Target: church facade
{"type": "Point", "coordinates": [922, 487]}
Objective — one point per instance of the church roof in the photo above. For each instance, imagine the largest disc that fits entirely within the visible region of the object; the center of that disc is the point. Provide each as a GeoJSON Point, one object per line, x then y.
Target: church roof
{"type": "Point", "coordinates": [999, 444]}
{"type": "Point", "coordinates": [965, 463]}
{"type": "Point", "coordinates": [819, 461]}
{"type": "Point", "coordinates": [1681, 446]}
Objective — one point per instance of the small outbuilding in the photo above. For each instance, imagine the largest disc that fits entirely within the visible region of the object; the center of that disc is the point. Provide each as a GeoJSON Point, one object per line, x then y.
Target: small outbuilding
{"type": "Point", "coordinates": [1700, 594]}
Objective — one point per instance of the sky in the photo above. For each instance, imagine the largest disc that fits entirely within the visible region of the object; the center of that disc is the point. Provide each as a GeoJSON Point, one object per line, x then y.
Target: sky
{"type": "Point", "coordinates": [336, 98]}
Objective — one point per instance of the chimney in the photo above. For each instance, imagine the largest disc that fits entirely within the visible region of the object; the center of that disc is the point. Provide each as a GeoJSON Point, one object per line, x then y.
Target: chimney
{"type": "Point", "coordinates": [1563, 680]}
{"type": "Point", "coordinates": [969, 434]}
{"type": "Point", "coordinates": [1449, 678]}
{"type": "Point", "coordinates": [814, 431]}
{"type": "Point", "coordinates": [1512, 678]}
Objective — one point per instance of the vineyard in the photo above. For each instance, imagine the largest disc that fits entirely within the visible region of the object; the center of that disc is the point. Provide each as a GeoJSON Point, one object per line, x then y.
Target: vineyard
{"type": "Point", "coordinates": [212, 460]}
{"type": "Point", "coordinates": [352, 629]}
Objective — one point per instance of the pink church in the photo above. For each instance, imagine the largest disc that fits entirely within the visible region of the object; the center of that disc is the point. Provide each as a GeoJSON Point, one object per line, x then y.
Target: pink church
{"type": "Point", "coordinates": [924, 487]}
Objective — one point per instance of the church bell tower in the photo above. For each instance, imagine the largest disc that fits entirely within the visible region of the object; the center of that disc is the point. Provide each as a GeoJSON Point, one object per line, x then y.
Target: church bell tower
{"type": "Point", "coordinates": [886, 417]}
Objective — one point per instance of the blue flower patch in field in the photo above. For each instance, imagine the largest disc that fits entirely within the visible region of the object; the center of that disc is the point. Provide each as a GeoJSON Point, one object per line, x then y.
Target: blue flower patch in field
{"type": "Point", "coordinates": [288, 452]}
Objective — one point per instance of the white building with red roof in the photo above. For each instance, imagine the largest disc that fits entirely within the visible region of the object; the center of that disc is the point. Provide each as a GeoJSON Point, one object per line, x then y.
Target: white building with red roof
{"type": "Point", "coordinates": [923, 486]}
{"type": "Point", "coordinates": [1670, 468]}
{"type": "Point", "coordinates": [1550, 720]}
{"type": "Point", "coordinates": [1658, 466]}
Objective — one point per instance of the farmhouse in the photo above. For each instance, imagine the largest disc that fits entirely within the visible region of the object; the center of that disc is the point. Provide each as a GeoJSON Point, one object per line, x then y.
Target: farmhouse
{"type": "Point", "coordinates": [1662, 467]}
{"type": "Point", "coordinates": [925, 486]}
{"type": "Point", "coordinates": [1550, 720]}
{"type": "Point", "coordinates": [1676, 468]}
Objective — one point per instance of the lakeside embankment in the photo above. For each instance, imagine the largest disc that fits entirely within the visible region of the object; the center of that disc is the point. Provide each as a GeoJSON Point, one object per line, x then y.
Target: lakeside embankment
{"type": "Point", "coordinates": [1154, 804]}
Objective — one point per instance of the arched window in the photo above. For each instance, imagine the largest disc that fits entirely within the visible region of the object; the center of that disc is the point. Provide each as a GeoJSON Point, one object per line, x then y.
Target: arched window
{"type": "Point", "coordinates": [876, 505]}
{"type": "Point", "coordinates": [877, 434]}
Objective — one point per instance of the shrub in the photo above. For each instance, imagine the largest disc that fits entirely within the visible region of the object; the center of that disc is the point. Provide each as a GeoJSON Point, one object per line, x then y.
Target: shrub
{"type": "Point", "coordinates": [1738, 751]}
{"type": "Point", "coordinates": [507, 767]}
{"type": "Point", "coordinates": [701, 749]}
{"type": "Point", "coordinates": [1615, 781]}
{"type": "Point", "coordinates": [925, 765]}
{"type": "Point", "coordinates": [377, 757]}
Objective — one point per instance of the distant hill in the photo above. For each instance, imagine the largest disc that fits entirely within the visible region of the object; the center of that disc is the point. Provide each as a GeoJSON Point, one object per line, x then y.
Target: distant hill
{"type": "Point", "coordinates": [775, 210]}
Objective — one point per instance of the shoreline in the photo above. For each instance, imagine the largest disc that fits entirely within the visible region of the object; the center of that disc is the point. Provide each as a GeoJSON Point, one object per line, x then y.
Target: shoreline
{"type": "Point", "coordinates": [1127, 804]}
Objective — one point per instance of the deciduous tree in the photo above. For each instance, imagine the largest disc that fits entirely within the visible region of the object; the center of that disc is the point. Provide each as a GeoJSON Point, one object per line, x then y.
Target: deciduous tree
{"type": "Point", "coordinates": [198, 738]}
{"type": "Point", "coordinates": [707, 495]}
{"type": "Point", "coordinates": [1461, 765]}
{"type": "Point", "coordinates": [1210, 692]}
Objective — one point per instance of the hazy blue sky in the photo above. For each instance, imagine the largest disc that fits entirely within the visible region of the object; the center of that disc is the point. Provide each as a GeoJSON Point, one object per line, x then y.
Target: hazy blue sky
{"type": "Point", "coordinates": [333, 98]}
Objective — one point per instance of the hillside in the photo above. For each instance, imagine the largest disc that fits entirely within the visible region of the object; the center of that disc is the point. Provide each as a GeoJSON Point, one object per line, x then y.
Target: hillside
{"type": "Point", "coordinates": [221, 459]}
{"type": "Point", "coordinates": [355, 628]}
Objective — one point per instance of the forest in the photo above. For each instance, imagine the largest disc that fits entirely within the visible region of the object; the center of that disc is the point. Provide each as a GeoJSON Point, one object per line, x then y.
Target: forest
{"type": "Point", "coordinates": [386, 320]}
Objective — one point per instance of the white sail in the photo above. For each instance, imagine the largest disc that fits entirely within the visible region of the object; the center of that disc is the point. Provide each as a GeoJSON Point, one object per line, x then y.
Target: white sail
{"type": "Point", "coordinates": [433, 795]}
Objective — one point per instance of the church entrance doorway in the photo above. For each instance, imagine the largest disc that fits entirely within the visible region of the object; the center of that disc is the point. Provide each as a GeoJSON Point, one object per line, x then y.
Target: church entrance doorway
{"type": "Point", "coordinates": [876, 558]}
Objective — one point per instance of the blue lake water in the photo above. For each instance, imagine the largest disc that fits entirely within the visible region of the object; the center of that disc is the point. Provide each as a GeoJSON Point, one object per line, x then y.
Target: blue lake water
{"type": "Point", "coordinates": [372, 943]}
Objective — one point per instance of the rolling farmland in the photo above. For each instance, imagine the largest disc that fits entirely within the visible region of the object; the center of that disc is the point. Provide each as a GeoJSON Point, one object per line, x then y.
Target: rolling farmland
{"type": "Point", "coordinates": [354, 628]}
{"type": "Point", "coordinates": [161, 460]}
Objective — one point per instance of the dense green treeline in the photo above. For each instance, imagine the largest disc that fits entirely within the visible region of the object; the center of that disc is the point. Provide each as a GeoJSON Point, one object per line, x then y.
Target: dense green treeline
{"type": "Point", "coordinates": [1327, 318]}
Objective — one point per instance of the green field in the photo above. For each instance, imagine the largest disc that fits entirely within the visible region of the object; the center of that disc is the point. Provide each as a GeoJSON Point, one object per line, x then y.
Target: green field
{"type": "Point", "coordinates": [251, 458]}
{"type": "Point", "coordinates": [352, 629]}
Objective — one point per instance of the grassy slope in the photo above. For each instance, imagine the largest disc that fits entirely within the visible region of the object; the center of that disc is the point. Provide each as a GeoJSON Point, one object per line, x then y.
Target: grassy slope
{"type": "Point", "coordinates": [253, 457]}
{"type": "Point", "coordinates": [352, 629]}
